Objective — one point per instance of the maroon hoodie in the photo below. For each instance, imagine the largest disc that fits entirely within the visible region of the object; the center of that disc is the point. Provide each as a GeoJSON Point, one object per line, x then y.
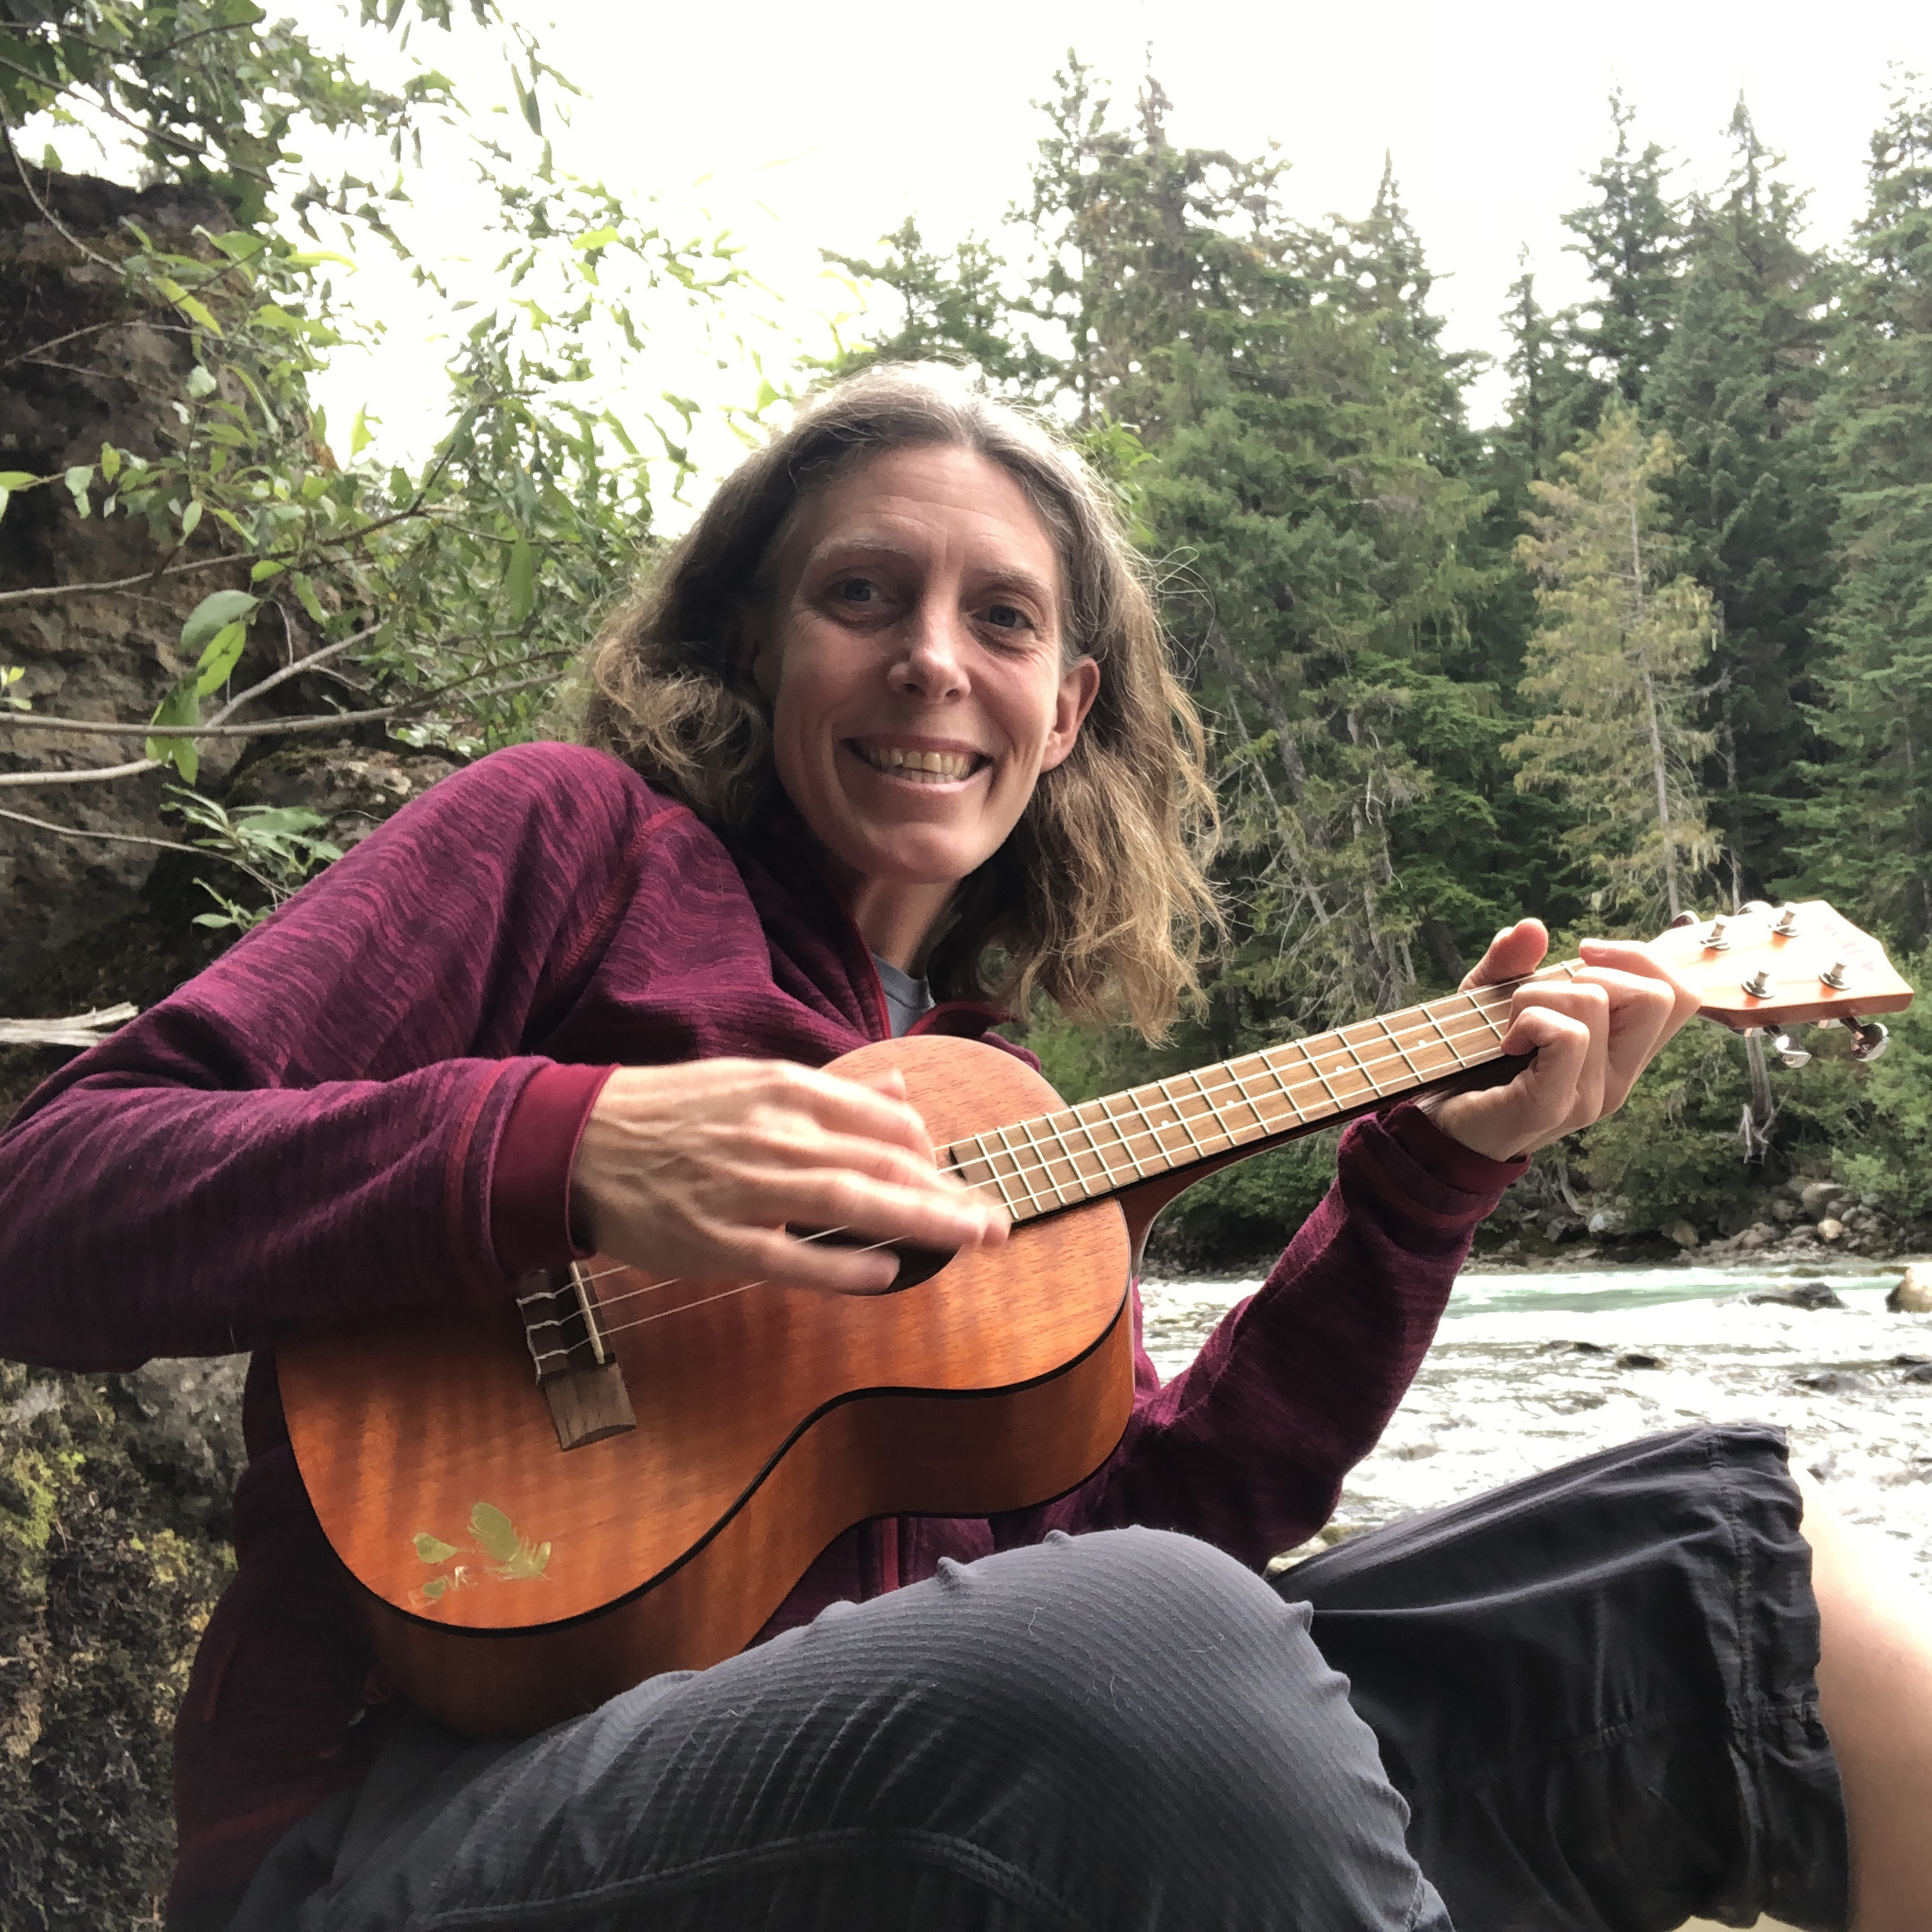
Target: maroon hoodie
{"type": "Point", "coordinates": [372, 1103]}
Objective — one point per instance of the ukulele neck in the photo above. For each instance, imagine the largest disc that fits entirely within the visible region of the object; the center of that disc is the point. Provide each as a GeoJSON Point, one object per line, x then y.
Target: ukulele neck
{"type": "Point", "coordinates": [1243, 1105]}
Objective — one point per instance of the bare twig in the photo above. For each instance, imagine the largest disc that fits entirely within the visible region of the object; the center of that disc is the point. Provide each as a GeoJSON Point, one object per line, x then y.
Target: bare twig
{"type": "Point", "coordinates": [44, 590]}
{"type": "Point", "coordinates": [80, 1029]}
{"type": "Point", "coordinates": [273, 727]}
{"type": "Point", "coordinates": [33, 194]}
{"type": "Point", "coordinates": [94, 329]}
{"type": "Point", "coordinates": [94, 774]}
{"type": "Point", "coordinates": [81, 832]}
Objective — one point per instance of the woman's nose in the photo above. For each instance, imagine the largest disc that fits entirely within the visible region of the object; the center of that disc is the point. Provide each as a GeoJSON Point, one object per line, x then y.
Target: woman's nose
{"type": "Point", "coordinates": [929, 662]}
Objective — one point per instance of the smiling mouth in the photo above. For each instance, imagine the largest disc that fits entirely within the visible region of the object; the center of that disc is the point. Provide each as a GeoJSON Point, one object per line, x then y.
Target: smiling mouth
{"type": "Point", "coordinates": [921, 767]}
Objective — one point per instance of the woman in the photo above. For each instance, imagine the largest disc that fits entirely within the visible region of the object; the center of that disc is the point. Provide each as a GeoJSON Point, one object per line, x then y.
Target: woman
{"type": "Point", "coordinates": [901, 698]}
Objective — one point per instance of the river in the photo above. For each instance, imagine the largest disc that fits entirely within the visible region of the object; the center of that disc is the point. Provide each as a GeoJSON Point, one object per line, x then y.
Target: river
{"type": "Point", "coordinates": [1531, 1369]}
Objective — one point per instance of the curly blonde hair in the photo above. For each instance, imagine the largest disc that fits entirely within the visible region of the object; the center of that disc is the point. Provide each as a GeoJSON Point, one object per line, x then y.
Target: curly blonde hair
{"type": "Point", "coordinates": [1098, 898]}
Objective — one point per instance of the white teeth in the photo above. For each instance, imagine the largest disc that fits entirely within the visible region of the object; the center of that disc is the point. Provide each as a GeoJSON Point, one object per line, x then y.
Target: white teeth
{"type": "Point", "coordinates": [936, 764]}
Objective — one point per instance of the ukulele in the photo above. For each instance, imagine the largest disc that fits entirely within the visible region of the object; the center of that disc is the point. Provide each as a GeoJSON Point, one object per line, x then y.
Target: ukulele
{"type": "Point", "coordinates": [615, 1475]}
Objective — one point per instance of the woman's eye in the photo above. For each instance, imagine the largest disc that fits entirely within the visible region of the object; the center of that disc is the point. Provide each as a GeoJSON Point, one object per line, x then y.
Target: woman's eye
{"type": "Point", "coordinates": [1007, 617]}
{"type": "Point", "coordinates": [855, 590]}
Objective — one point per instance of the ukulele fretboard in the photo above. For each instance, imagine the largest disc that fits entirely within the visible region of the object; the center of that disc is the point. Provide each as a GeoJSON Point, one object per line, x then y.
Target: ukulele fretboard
{"type": "Point", "coordinates": [1058, 1160]}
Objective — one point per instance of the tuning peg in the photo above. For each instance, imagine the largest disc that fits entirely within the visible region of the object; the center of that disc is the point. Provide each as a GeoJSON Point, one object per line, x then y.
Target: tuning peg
{"type": "Point", "coordinates": [1759, 985]}
{"type": "Point", "coordinates": [1683, 919]}
{"type": "Point", "coordinates": [1835, 977]}
{"type": "Point", "coordinates": [1792, 1056]}
{"type": "Point", "coordinates": [1755, 905]}
{"type": "Point", "coordinates": [1787, 923]}
{"type": "Point", "coordinates": [1869, 1039]}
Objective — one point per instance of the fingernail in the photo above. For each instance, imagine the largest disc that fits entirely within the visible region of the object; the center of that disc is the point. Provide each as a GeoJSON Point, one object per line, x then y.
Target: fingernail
{"type": "Point", "coordinates": [1502, 932]}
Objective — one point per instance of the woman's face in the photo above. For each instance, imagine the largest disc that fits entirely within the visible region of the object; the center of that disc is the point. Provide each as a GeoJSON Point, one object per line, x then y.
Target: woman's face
{"type": "Point", "coordinates": [912, 654]}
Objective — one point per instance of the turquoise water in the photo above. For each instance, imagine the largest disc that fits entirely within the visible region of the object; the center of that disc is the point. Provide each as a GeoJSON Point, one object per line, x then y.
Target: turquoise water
{"type": "Point", "coordinates": [1531, 1369]}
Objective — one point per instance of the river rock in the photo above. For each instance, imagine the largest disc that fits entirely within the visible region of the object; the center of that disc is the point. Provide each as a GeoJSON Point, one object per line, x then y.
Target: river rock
{"type": "Point", "coordinates": [1812, 1196]}
{"type": "Point", "coordinates": [1830, 1229]}
{"type": "Point", "coordinates": [1682, 1232]}
{"type": "Point", "coordinates": [1832, 1381]}
{"type": "Point", "coordinates": [1913, 1296]}
{"type": "Point", "coordinates": [1635, 1358]}
{"type": "Point", "coordinates": [1798, 1295]}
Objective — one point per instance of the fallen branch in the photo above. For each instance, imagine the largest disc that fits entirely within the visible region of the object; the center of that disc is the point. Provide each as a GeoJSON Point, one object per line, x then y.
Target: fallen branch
{"type": "Point", "coordinates": [81, 1029]}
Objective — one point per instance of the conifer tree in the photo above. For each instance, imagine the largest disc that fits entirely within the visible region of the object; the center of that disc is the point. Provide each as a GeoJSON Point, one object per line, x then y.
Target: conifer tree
{"type": "Point", "coordinates": [1614, 668]}
{"type": "Point", "coordinates": [1631, 241]}
{"type": "Point", "coordinates": [1869, 833]}
{"type": "Point", "coordinates": [1301, 417]}
{"type": "Point", "coordinates": [1737, 390]}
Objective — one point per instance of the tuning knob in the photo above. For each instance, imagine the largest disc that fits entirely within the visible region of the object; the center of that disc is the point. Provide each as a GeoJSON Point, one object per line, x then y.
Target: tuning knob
{"type": "Point", "coordinates": [1755, 905]}
{"type": "Point", "coordinates": [1787, 923]}
{"type": "Point", "coordinates": [1835, 977]}
{"type": "Point", "coordinates": [1759, 985]}
{"type": "Point", "coordinates": [1683, 919]}
{"type": "Point", "coordinates": [1790, 1055]}
{"type": "Point", "coordinates": [1869, 1039]}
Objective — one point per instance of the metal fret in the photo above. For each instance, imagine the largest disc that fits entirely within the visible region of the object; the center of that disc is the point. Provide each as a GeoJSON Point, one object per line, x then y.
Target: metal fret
{"type": "Point", "coordinates": [1288, 1091]}
{"type": "Point", "coordinates": [1239, 1082]}
{"type": "Point", "coordinates": [1045, 1160]}
{"type": "Point", "coordinates": [1361, 1065]}
{"type": "Point", "coordinates": [1308, 1054]}
{"type": "Point", "coordinates": [1099, 1153]}
{"type": "Point", "coordinates": [1429, 1014]}
{"type": "Point", "coordinates": [1174, 1108]}
{"type": "Point", "coordinates": [1019, 1172]}
{"type": "Point", "coordinates": [1415, 1073]}
{"type": "Point", "coordinates": [1153, 1132]}
{"type": "Point", "coordinates": [1133, 1160]}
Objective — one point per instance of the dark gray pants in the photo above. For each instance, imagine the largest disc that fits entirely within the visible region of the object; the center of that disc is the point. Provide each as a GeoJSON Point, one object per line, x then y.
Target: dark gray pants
{"type": "Point", "coordinates": [1595, 1688]}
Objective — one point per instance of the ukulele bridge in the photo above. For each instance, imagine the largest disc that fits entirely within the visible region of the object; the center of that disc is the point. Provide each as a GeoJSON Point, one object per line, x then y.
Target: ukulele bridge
{"type": "Point", "coordinates": [576, 1369]}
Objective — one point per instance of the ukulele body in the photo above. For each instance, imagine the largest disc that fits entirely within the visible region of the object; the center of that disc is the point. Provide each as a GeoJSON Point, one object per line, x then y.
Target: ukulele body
{"type": "Point", "coordinates": [508, 1583]}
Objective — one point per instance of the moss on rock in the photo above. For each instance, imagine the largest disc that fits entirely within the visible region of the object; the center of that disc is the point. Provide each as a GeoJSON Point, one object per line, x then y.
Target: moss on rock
{"type": "Point", "coordinates": [113, 1547]}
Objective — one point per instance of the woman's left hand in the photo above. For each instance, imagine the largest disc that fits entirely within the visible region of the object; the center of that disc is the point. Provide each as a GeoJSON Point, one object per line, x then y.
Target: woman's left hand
{"type": "Point", "coordinates": [1591, 1036]}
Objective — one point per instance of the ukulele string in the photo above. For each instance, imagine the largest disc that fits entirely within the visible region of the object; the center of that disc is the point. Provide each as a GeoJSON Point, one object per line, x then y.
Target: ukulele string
{"type": "Point", "coordinates": [1395, 1051]}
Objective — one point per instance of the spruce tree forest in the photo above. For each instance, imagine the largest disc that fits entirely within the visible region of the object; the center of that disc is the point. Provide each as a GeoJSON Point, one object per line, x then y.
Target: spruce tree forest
{"type": "Point", "coordinates": [1659, 639]}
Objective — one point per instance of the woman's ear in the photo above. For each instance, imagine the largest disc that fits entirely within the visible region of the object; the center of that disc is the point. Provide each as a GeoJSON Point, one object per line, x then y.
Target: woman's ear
{"type": "Point", "coordinates": [1079, 686]}
{"type": "Point", "coordinates": [748, 654]}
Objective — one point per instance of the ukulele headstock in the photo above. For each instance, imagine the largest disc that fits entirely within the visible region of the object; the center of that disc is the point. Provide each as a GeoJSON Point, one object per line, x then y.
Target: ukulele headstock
{"type": "Point", "coordinates": [1780, 966]}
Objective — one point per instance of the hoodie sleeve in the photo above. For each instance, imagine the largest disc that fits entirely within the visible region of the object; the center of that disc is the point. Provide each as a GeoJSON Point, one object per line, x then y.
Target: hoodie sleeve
{"type": "Point", "coordinates": [309, 1128]}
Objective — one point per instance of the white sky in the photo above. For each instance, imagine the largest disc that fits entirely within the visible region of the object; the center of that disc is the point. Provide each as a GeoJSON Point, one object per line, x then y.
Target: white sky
{"type": "Point", "coordinates": [808, 128]}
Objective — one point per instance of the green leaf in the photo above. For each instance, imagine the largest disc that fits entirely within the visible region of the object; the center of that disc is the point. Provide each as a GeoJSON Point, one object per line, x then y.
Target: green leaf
{"type": "Point", "coordinates": [76, 480]}
{"type": "Point", "coordinates": [224, 651]}
{"type": "Point", "coordinates": [495, 1533]}
{"type": "Point", "coordinates": [198, 311]}
{"type": "Point", "coordinates": [520, 581]}
{"type": "Point", "coordinates": [304, 595]}
{"type": "Point", "coordinates": [183, 705]}
{"type": "Point", "coordinates": [360, 436]}
{"type": "Point", "coordinates": [6, 497]}
{"type": "Point", "coordinates": [214, 613]}
{"type": "Point", "coordinates": [436, 1585]}
{"type": "Point", "coordinates": [110, 461]}
{"type": "Point", "coordinates": [200, 382]}
{"type": "Point", "coordinates": [527, 101]}
{"type": "Point", "coordinates": [17, 478]}
{"type": "Point", "coordinates": [267, 568]}
{"type": "Point", "coordinates": [597, 238]}
{"type": "Point", "coordinates": [433, 1549]}
{"type": "Point", "coordinates": [191, 518]}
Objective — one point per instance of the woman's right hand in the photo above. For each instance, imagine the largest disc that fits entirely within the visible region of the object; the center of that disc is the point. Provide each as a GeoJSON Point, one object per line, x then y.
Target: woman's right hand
{"type": "Point", "coordinates": [698, 1170]}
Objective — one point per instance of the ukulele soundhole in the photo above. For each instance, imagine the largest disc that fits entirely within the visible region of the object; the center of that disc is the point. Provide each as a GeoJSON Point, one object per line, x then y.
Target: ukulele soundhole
{"type": "Point", "coordinates": [915, 1264]}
